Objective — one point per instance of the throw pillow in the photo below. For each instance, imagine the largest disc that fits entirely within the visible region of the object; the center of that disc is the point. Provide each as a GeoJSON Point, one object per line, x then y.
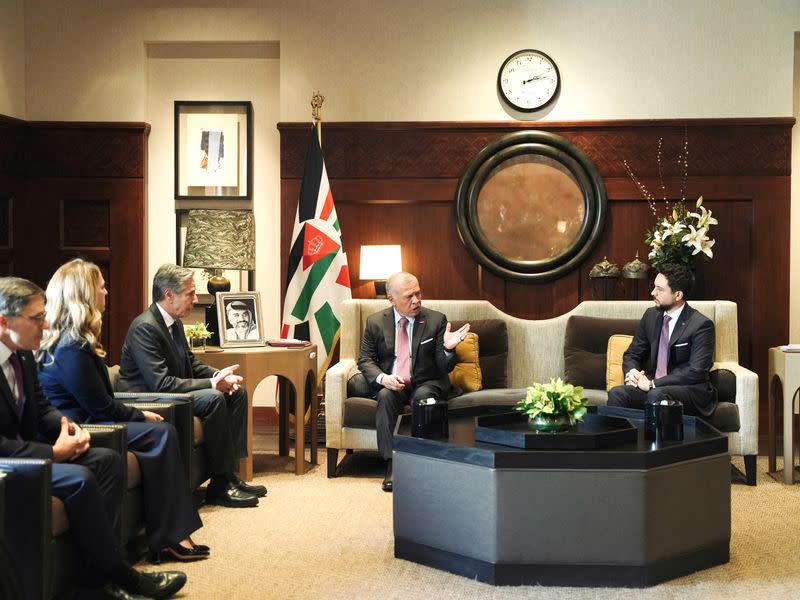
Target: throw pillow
{"type": "Point", "coordinates": [585, 344]}
{"type": "Point", "coordinates": [617, 345]}
{"type": "Point", "coordinates": [493, 350]}
{"type": "Point", "coordinates": [467, 372]}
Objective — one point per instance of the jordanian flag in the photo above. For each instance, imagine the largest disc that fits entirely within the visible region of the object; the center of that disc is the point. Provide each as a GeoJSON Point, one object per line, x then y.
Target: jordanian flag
{"type": "Point", "coordinates": [318, 279]}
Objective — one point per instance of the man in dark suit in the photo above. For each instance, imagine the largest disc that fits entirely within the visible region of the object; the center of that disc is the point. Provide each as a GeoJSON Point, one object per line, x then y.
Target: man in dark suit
{"type": "Point", "coordinates": [156, 358]}
{"type": "Point", "coordinates": [672, 351]}
{"type": "Point", "coordinates": [88, 480]}
{"type": "Point", "coordinates": [406, 354]}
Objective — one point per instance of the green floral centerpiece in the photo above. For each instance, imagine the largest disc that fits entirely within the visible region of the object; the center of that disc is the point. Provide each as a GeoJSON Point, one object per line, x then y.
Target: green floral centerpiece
{"type": "Point", "coordinates": [197, 334]}
{"type": "Point", "coordinates": [554, 406]}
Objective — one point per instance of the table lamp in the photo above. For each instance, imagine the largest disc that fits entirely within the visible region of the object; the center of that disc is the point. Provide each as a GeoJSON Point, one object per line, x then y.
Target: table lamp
{"type": "Point", "coordinates": [378, 263]}
{"type": "Point", "coordinates": [217, 240]}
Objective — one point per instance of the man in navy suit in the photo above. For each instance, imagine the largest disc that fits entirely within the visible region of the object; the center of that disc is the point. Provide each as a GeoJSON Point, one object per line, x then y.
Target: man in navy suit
{"type": "Point", "coordinates": [406, 353]}
{"type": "Point", "coordinates": [88, 480]}
{"type": "Point", "coordinates": [672, 351]}
{"type": "Point", "coordinates": [156, 358]}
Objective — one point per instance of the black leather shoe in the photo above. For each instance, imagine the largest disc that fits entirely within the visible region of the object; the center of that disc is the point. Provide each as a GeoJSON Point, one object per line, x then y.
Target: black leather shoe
{"type": "Point", "coordinates": [178, 552]}
{"type": "Point", "coordinates": [231, 496]}
{"type": "Point", "coordinates": [387, 480]}
{"type": "Point", "coordinates": [258, 491]}
{"type": "Point", "coordinates": [202, 548]}
{"type": "Point", "coordinates": [113, 592]}
{"type": "Point", "coordinates": [162, 584]}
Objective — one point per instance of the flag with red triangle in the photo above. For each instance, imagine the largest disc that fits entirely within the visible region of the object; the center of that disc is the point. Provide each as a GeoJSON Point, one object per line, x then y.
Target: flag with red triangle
{"type": "Point", "coordinates": [317, 277]}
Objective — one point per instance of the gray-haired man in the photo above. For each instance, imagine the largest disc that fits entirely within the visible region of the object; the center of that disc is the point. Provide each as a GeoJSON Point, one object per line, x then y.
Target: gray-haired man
{"type": "Point", "coordinates": [156, 358]}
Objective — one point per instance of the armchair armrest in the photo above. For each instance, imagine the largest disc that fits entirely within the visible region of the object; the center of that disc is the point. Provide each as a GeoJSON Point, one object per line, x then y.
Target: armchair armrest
{"type": "Point", "coordinates": [151, 396]}
{"type": "Point", "coordinates": [335, 394]}
{"type": "Point", "coordinates": [747, 403]}
{"type": "Point", "coordinates": [180, 414]}
{"type": "Point", "coordinates": [28, 522]}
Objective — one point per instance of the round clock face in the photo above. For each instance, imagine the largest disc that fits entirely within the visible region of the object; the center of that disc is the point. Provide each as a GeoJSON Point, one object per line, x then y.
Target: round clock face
{"type": "Point", "coordinates": [528, 80]}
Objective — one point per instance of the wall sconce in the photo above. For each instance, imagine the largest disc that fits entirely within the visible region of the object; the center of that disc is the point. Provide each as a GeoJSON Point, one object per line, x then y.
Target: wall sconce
{"type": "Point", "coordinates": [217, 240]}
{"type": "Point", "coordinates": [378, 263]}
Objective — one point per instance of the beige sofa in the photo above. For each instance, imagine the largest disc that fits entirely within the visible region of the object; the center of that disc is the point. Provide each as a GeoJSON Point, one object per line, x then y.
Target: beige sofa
{"type": "Point", "coordinates": [535, 353]}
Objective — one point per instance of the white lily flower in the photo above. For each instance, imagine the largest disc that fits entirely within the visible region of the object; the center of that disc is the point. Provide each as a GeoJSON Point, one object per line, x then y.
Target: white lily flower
{"type": "Point", "coordinates": [706, 248]}
{"type": "Point", "coordinates": [704, 218]}
{"type": "Point", "coordinates": [669, 229]}
{"type": "Point", "coordinates": [695, 239]}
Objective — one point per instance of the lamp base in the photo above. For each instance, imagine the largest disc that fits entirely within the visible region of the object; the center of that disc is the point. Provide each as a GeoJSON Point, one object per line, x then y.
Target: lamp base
{"type": "Point", "coordinates": [380, 288]}
{"type": "Point", "coordinates": [216, 283]}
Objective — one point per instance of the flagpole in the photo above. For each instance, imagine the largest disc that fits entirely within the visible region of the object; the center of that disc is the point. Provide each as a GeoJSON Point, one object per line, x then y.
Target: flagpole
{"type": "Point", "coordinates": [316, 109]}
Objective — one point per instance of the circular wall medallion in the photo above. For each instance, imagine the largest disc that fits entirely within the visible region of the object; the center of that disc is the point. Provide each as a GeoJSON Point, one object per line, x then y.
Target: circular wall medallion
{"type": "Point", "coordinates": [530, 206]}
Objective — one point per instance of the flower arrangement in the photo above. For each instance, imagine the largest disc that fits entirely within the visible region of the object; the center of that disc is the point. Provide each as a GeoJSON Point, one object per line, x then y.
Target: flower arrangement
{"type": "Point", "coordinates": [197, 334]}
{"type": "Point", "coordinates": [556, 398]}
{"type": "Point", "coordinates": [678, 236]}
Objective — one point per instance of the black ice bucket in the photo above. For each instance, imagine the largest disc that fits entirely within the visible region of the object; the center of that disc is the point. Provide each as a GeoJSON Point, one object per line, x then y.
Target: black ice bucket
{"type": "Point", "coordinates": [663, 421]}
{"type": "Point", "coordinates": [429, 419]}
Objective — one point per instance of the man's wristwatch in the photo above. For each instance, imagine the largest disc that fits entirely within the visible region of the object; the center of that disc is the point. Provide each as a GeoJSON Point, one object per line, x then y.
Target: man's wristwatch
{"type": "Point", "coordinates": [652, 384]}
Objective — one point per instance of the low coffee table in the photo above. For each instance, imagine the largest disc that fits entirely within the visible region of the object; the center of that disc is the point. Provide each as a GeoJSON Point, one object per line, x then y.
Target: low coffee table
{"type": "Point", "coordinates": [632, 515]}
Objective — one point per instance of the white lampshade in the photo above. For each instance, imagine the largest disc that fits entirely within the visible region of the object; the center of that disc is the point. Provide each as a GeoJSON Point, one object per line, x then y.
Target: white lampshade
{"type": "Point", "coordinates": [378, 262]}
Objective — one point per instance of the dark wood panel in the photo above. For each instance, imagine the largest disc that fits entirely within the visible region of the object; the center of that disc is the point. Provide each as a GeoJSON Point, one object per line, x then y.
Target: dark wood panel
{"type": "Point", "coordinates": [85, 223]}
{"type": "Point", "coordinates": [87, 149]}
{"type": "Point", "coordinates": [13, 134]}
{"type": "Point", "coordinates": [394, 183]}
{"type": "Point", "coordinates": [421, 150]}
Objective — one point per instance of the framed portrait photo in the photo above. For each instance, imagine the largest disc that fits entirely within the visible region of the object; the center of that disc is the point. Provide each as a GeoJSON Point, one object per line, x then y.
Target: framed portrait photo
{"type": "Point", "coordinates": [239, 318]}
{"type": "Point", "coordinates": [213, 149]}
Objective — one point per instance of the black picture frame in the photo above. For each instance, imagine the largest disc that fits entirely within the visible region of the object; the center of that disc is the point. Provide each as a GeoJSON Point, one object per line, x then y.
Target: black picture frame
{"type": "Point", "coordinates": [205, 167]}
{"type": "Point", "coordinates": [554, 151]}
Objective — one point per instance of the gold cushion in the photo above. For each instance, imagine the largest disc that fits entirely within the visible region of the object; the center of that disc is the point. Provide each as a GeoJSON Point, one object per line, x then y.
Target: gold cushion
{"type": "Point", "coordinates": [617, 345]}
{"type": "Point", "coordinates": [467, 372]}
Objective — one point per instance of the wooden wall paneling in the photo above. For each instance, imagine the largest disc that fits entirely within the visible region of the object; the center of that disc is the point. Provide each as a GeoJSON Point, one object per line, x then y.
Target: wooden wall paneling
{"type": "Point", "coordinates": [382, 172]}
{"type": "Point", "coordinates": [83, 193]}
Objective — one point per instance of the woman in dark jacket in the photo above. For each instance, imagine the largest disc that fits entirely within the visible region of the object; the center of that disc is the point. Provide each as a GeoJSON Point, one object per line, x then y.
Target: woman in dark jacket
{"type": "Point", "coordinates": [75, 379]}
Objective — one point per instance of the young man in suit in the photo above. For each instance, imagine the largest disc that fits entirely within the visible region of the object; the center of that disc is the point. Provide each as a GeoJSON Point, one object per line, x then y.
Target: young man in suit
{"type": "Point", "coordinates": [406, 353]}
{"type": "Point", "coordinates": [672, 351]}
{"type": "Point", "coordinates": [88, 480]}
{"type": "Point", "coordinates": [156, 358]}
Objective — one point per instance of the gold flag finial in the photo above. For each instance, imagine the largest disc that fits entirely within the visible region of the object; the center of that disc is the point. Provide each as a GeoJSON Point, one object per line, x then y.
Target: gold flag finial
{"type": "Point", "coordinates": [316, 109]}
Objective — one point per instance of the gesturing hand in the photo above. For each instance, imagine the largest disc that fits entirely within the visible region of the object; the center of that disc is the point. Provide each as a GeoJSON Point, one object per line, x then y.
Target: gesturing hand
{"type": "Point", "coordinates": [452, 338]}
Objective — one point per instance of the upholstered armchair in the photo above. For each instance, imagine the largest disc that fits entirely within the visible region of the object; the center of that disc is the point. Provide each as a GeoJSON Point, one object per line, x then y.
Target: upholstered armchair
{"type": "Point", "coordinates": [36, 523]}
{"type": "Point", "coordinates": [181, 415]}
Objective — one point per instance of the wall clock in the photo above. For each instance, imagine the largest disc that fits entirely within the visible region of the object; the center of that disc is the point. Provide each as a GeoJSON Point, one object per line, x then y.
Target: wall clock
{"type": "Point", "coordinates": [530, 206]}
{"type": "Point", "coordinates": [528, 80]}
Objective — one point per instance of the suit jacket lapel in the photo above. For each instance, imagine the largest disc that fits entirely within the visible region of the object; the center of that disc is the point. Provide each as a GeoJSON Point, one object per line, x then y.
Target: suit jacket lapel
{"type": "Point", "coordinates": [8, 396]}
{"type": "Point", "coordinates": [680, 326]}
{"type": "Point", "coordinates": [388, 330]}
{"type": "Point", "coordinates": [162, 326]}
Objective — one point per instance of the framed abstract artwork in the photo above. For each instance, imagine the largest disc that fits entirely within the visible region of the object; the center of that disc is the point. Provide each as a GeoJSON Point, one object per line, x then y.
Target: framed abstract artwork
{"type": "Point", "coordinates": [213, 150]}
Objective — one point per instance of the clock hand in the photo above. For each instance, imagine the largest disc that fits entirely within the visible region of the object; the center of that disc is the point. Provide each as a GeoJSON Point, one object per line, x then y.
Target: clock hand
{"type": "Point", "coordinates": [535, 77]}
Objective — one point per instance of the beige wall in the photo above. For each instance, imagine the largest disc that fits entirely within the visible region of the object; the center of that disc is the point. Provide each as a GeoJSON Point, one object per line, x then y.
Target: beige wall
{"type": "Point", "coordinates": [12, 58]}
{"type": "Point", "coordinates": [395, 61]}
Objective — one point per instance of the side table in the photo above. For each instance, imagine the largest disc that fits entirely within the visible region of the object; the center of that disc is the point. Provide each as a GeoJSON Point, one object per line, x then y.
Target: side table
{"type": "Point", "coordinates": [784, 374]}
{"type": "Point", "coordinates": [296, 366]}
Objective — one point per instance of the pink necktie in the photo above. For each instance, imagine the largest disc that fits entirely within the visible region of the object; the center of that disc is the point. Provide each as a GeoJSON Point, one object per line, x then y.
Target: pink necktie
{"type": "Point", "coordinates": [663, 349]}
{"type": "Point", "coordinates": [403, 353]}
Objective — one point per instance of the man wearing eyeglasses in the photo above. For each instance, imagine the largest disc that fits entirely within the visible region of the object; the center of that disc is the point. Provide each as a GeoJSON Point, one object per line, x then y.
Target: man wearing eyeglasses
{"type": "Point", "coordinates": [88, 480]}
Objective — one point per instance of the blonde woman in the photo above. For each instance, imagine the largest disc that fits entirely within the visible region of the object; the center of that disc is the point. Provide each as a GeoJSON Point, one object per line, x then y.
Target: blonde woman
{"type": "Point", "coordinates": [74, 377]}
